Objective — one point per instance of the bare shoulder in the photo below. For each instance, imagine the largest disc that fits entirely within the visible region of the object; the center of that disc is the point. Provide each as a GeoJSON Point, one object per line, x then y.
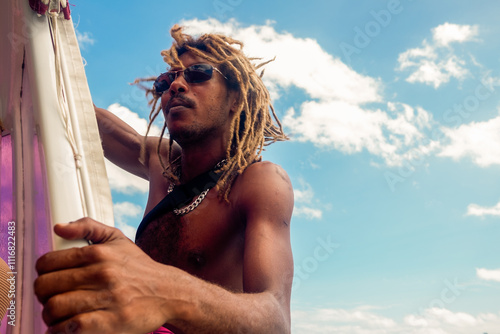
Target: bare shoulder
{"type": "Point", "coordinates": [264, 189]}
{"type": "Point", "coordinates": [264, 171]}
{"type": "Point", "coordinates": [151, 148]}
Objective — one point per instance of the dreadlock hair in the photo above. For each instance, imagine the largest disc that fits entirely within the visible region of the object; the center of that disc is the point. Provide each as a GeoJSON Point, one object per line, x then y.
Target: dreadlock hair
{"type": "Point", "coordinates": [252, 127]}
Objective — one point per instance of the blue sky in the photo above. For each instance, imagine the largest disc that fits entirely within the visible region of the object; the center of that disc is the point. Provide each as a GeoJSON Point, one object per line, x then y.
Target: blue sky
{"type": "Point", "coordinates": [393, 110]}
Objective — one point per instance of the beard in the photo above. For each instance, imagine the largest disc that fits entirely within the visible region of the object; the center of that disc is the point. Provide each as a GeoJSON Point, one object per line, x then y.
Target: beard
{"type": "Point", "coordinates": [211, 123]}
{"type": "Point", "coordinates": [197, 132]}
{"type": "Point", "coordinates": [192, 135]}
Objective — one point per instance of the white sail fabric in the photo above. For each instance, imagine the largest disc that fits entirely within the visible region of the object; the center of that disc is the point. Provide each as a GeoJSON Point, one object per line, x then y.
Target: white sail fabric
{"type": "Point", "coordinates": [51, 161]}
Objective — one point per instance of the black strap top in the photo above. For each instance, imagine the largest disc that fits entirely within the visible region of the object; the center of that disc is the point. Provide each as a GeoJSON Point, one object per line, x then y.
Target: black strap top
{"type": "Point", "coordinates": [181, 196]}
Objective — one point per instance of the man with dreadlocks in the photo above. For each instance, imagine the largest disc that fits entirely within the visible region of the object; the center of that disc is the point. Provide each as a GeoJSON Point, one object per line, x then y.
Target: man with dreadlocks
{"type": "Point", "coordinates": [212, 254]}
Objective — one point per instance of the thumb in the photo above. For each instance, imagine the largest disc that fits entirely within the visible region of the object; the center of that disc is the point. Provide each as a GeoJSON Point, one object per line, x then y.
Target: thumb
{"type": "Point", "coordinates": [88, 229]}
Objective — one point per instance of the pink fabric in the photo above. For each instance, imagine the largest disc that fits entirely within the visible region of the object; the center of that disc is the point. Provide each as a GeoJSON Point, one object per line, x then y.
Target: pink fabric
{"type": "Point", "coordinates": [67, 12]}
{"type": "Point", "coordinates": [38, 6]}
{"type": "Point", "coordinates": [33, 231]}
{"type": "Point", "coordinates": [7, 209]}
{"type": "Point", "coordinates": [162, 330]}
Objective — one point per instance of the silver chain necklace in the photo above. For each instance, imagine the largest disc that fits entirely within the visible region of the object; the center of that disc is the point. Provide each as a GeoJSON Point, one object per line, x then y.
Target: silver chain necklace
{"type": "Point", "coordinates": [199, 199]}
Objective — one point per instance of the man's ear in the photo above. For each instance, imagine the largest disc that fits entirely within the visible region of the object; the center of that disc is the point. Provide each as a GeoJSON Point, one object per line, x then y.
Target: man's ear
{"type": "Point", "coordinates": [234, 99]}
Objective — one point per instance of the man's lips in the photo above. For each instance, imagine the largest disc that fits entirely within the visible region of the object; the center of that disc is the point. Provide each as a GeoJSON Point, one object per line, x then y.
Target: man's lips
{"type": "Point", "coordinates": [176, 108]}
{"type": "Point", "coordinates": [175, 102]}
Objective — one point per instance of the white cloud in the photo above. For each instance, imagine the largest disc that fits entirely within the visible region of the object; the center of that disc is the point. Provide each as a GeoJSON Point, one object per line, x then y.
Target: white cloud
{"type": "Point", "coordinates": [333, 114]}
{"type": "Point", "coordinates": [305, 195]}
{"type": "Point", "coordinates": [122, 212]}
{"type": "Point", "coordinates": [340, 321]}
{"type": "Point", "coordinates": [479, 141]}
{"type": "Point", "coordinates": [133, 119]}
{"type": "Point", "coordinates": [307, 212]}
{"type": "Point", "coordinates": [449, 33]}
{"type": "Point", "coordinates": [435, 63]}
{"type": "Point", "coordinates": [305, 204]}
{"type": "Point", "coordinates": [435, 73]}
{"type": "Point", "coordinates": [490, 82]}
{"type": "Point", "coordinates": [488, 275]}
{"type": "Point", "coordinates": [84, 39]}
{"type": "Point", "coordinates": [300, 62]}
{"type": "Point", "coordinates": [123, 181]}
{"type": "Point", "coordinates": [481, 211]}
{"type": "Point", "coordinates": [362, 321]}
{"type": "Point", "coordinates": [390, 134]}
{"type": "Point", "coordinates": [441, 320]}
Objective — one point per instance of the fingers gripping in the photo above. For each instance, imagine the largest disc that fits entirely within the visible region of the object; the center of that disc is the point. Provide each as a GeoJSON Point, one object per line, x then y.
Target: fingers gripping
{"type": "Point", "coordinates": [88, 289]}
{"type": "Point", "coordinates": [63, 306]}
{"type": "Point", "coordinates": [88, 229]}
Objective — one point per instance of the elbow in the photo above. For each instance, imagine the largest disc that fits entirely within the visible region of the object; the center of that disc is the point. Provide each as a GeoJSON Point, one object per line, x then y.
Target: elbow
{"type": "Point", "coordinates": [281, 318]}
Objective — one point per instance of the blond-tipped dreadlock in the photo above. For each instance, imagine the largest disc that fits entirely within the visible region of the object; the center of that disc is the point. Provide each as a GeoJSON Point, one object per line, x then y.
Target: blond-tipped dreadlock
{"type": "Point", "coordinates": [252, 128]}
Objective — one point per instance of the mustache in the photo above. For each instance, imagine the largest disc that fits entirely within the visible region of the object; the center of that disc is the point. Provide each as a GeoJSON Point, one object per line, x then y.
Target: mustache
{"type": "Point", "coordinates": [186, 101]}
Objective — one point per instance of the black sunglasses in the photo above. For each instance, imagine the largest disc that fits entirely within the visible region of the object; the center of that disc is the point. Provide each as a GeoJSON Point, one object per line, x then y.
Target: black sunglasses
{"type": "Point", "coordinates": [192, 74]}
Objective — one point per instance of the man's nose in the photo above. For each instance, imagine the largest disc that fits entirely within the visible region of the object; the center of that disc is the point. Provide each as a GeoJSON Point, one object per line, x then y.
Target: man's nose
{"type": "Point", "coordinates": [179, 85]}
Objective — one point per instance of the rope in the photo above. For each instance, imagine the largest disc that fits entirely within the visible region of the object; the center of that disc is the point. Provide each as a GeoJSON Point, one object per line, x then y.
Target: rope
{"type": "Point", "coordinates": [63, 104]}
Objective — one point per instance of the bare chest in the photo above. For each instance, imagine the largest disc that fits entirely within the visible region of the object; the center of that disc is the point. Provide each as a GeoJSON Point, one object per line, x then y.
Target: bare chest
{"type": "Point", "coordinates": [206, 242]}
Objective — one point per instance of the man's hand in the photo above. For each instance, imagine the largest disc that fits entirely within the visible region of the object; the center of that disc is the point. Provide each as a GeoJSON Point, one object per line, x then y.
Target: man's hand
{"type": "Point", "coordinates": [107, 287]}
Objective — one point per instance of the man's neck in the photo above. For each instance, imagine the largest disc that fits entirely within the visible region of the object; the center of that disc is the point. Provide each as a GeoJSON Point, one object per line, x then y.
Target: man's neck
{"type": "Point", "coordinates": [199, 159]}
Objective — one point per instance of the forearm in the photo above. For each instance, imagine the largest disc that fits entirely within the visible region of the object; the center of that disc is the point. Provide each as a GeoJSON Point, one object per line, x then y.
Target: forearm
{"type": "Point", "coordinates": [201, 307]}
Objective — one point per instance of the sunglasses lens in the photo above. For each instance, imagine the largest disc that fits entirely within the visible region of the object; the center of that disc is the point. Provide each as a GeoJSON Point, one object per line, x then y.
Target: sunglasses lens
{"type": "Point", "coordinates": [193, 74]}
{"type": "Point", "coordinates": [162, 83]}
{"type": "Point", "coordinates": [198, 73]}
